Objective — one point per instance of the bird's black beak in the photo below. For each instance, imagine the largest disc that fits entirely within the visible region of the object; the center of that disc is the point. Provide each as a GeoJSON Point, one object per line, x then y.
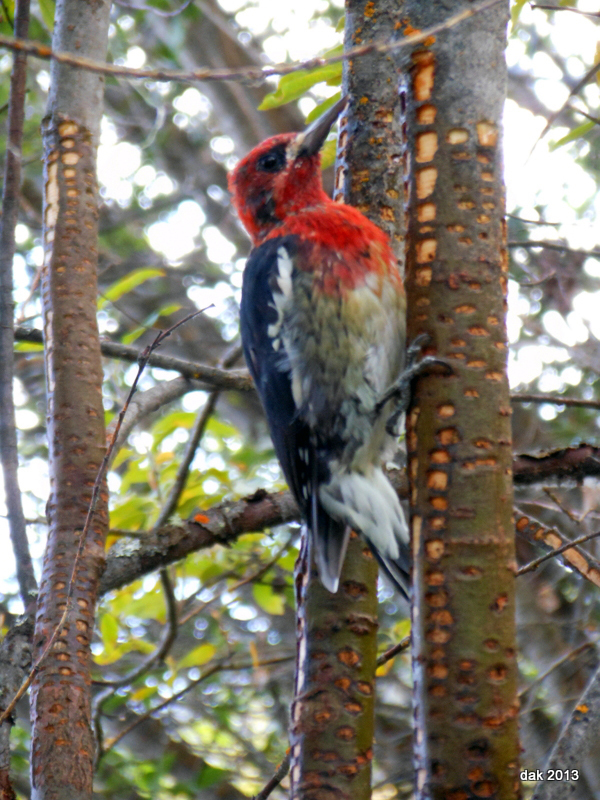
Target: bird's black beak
{"type": "Point", "coordinates": [310, 141]}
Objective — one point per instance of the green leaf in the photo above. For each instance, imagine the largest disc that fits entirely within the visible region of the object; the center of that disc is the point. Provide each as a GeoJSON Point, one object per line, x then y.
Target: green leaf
{"type": "Point", "coordinates": [109, 630]}
{"type": "Point", "coordinates": [150, 322]}
{"type": "Point", "coordinates": [198, 656]}
{"type": "Point", "coordinates": [268, 600]}
{"type": "Point", "coordinates": [7, 12]}
{"type": "Point", "coordinates": [322, 108]}
{"type": "Point", "coordinates": [328, 152]}
{"type": "Point", "coordinates": [144, 693]}
{"type": "Point", "coordinates": [515, 13]}
{"type": "Point", "coordinates": [169, 423]}
{"type": "Point", "coordinates": [47, 8]}
{"type": "Point", "coordinates": [132, 514]}
{"type": "Point", "coordinates": [132, 646]}
{"type": "Point", "coordinates": [577, 133]}
{"type": "Point", "coordinates": [129, 282]}
{"type": "Point", "coordinates": [293, 86]}
{"type": "Point", "coordinates": [210, 775]}
{"type": "Point", "coordinates": [29, 347]}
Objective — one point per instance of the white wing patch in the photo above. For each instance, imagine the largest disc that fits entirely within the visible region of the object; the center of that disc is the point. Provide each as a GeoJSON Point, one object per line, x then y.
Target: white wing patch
{"type": "Point", "coordinates": [285, 268]}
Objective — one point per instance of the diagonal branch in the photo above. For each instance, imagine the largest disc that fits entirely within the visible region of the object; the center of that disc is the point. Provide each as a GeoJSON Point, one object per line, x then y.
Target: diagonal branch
{"type": "Point", "coordinates": [245, 74]}
{"type": "Point", "coordinates": [574, 742]}
{"type": "Point", "coordinates": [211, 377]}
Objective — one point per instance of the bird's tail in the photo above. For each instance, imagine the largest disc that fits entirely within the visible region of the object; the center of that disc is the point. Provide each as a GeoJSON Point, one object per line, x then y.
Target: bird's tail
{"type": "Point", "coordinates": [396, 569]}
{"type": "Point", "coordinates": [329, 539]}
{"type": "Point", "coordinates": [368, 504]}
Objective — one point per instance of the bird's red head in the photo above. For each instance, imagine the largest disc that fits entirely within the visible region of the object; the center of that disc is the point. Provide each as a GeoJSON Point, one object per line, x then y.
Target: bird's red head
{"type": "Point", "coordinates": [281, 176]}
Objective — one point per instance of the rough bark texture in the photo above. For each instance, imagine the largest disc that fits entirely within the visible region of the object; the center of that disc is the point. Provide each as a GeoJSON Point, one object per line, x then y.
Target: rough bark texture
{"type": "Point", "coordinates": [12, 672]}
{"type": "Point", "coordinates": [62, 740]}
{"type": "Point", "coordinates": [369, 168]}
{"type": "Point", "coordinates": [568, 755]}
{"type": "Point", "coordinates": [332, 718]}
{"type": "Point", "coordinates": [331, 731]}
{"type": "Point", "coordinates": [10, 205]}
{"type": "Point", "coordinates": [459, 438]}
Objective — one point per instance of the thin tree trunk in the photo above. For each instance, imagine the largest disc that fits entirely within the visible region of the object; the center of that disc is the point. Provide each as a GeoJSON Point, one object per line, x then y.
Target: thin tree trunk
{"type": "Point", "coordinates": [62, 741]}
{"type": "Point", "coordinates": [459, 437]}
{"type": "Point", "coordinates": [15, 650]}
{"type": "Point", "coordinates": [333, 712]}
{"type": "Point", "coordinates": [331, 730]}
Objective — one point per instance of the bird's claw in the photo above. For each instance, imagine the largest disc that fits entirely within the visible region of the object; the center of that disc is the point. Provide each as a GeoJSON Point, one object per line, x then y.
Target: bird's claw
{"type": "Point", "coordinates": [401, 389]}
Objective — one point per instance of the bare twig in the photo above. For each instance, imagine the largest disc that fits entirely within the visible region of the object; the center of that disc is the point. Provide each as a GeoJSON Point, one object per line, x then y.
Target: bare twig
{"type": "Point", "coordinates": [195, 435]}
{"type": "Point", "coordinates": [534, 221]}
{"type": "Point", "coordinates": [400, 647]}
{"type": "Point", "coordinates": [589, 76]}
{"type": "Point", "coordinates": [167, 640]}
{"type": "Point", "coordinates": [533, 565]}
{"type": "Point", "coordinates": [573, 744]}
{"type": "Point", "coordinates": [143, 360]}
{"type": "Point", "coordinates": [594, 14]}
{"type": "Point", "coordinates": [221, 666]}
{"type": "Point", "coordinates": [251, 74]}
{"type": "Point", "coordinates": [562, 248]}
{"type": "Point", "coordinates": [254, 576]}
{"type": "Point", "coordinates": [553, 399]}
{"type": "Point", "coordinates": [153, 9]}
{"type": "Point", "coordinates": [10, 204]}
{"type": "Point", "coordinates": [570, 656]}
{"type": "Point", "coordinates": [148, 402]}
{"type": "Point", "coordinates": [280, 773]}
{"type": "Point", "coordinates": [211, 377]}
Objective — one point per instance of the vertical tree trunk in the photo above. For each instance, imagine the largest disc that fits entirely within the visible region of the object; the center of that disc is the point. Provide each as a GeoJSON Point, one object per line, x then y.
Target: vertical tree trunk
{"type": "Point", "coordinates": [459, 437]}
{"type": "Point", "coordinates": [333, 711]}
{"type": "Point", "coordinates": [15, 650]}
{"type": "Point", "coordinates": [331, 731]}
{"type": "Point", "coordinates": [62, 740]}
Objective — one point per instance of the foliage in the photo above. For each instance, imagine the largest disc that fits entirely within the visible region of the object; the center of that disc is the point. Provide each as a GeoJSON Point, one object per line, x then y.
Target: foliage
{"type": "Point", "coordinates": [170, 244]}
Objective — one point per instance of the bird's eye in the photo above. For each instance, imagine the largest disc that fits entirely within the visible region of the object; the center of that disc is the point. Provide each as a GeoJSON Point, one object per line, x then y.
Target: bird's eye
{"type": "Point", "coordinates": [273, 161]}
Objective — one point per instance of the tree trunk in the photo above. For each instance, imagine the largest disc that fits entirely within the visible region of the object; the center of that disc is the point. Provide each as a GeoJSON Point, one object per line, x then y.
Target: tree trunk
{"type": "Point", "coordinates": [331, 729]}
{"type": "Point", "coordinates": [62, 740]}
{"type": "Point", "coordinates": [459, 438]}
{"type": "Point", "coordinates": [333, 711]}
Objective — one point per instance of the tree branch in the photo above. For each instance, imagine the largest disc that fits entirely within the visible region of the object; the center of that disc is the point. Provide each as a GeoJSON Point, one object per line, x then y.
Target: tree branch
{"type": "Point", "coordinates": [570, 463]}
{"type": "Point", "coordinates": [562, 248]}
{"type": "Point", "coordinates": [129, 560]}
{"type": "Point", "coordinates": [573, 744]}
{"type": "Point", "coordinates": [556, 400]}
{"type": "Point", "coordinates": [211, 377]}
{"type": "Point", "coordinates": [280, 773]}
{"type": "Point", "coordinates": [246, 74]}
{"type": "Point", "coordinates": [575, 558]}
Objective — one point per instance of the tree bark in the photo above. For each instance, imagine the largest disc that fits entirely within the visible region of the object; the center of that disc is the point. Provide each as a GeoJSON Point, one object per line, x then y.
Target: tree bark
{"type": "Point", "coordinates": [331, 729]}
{"type": "Point", "coordinates": [62, 741]}
{"type": "Point", "coordinates": [459, 438]}
{"type": "Point", "coordinates": [15, 650]}
{"type": "Point", "coordinates": [333, 712]}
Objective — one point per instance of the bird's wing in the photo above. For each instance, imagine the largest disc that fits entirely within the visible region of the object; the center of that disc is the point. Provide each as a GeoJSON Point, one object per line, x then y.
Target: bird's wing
{"type": "Point", "coordinates": [267, 288]}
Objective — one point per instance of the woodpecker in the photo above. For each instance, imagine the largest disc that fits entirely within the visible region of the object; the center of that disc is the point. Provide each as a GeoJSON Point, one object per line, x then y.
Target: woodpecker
{"type": "Point", "coordinates": [323, 329]}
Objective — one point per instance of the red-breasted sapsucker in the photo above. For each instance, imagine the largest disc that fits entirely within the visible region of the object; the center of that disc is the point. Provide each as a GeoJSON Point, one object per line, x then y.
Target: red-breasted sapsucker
{"type": "Point", "coordinates": [323, 329]}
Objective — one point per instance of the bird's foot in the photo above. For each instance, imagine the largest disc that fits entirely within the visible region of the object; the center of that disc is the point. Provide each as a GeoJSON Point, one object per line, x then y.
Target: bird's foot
{"type": "Point", "coordinates": [401, 390]}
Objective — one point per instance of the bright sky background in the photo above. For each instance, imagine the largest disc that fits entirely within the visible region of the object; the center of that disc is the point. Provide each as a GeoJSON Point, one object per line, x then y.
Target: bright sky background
{"type": "Point", "coordinates": [542, 178]}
